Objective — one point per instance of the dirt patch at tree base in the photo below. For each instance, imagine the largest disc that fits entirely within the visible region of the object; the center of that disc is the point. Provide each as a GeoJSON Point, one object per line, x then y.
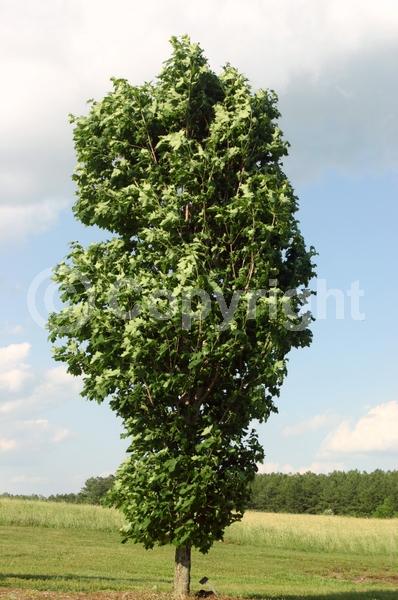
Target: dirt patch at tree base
{"type": "Point", "coordinates": [382, 578]}
{"type": "Point", "coordinates": [377, 579]}
{"type": "Point", "coordinates": [17, 594]}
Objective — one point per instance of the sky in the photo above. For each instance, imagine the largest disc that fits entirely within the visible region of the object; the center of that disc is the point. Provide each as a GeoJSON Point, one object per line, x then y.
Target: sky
{"type": "Point", "coordinates": [333, 65]}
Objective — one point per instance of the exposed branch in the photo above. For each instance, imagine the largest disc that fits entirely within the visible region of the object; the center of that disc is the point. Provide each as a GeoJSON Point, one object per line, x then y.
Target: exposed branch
{"type": "Point", "coordinates": [148, 394]}
{"type": "Point", "coordinates": [208, 389]}
{"type": "Point", "coordinates": [251, 271]}
{"type": "Point", "coordinates": [149, 137]}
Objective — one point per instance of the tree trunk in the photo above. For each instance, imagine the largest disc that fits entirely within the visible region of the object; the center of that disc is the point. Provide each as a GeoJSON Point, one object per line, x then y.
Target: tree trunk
{"type": "Point", "coordinates": [182, 573]}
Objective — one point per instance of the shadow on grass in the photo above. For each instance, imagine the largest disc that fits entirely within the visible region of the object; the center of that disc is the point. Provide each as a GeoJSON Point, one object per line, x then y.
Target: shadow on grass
{"type": "Point", "coordinates": [376, 594]}
{"type": "Point", "coordinates": [39, 577]}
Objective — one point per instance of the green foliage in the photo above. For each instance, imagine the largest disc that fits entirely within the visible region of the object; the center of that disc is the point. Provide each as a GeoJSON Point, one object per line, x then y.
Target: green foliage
{"type": "Point", "coordinates": [386, 510]}
{"type": "Point", "coordinates": [67, 498]}
{"type": "Point", "coordinates": [95, 489]}
{"type": "Point", "coordinates": [341, 493]}
{"type": "Point", "coordinates": [186, 173]}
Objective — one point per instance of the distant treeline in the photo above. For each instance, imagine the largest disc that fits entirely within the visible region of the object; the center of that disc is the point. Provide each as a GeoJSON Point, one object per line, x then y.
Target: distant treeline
{"type": "Point", "coordinates": [353, 493]}
{"type": "Point", "coordinates": [93, 492]}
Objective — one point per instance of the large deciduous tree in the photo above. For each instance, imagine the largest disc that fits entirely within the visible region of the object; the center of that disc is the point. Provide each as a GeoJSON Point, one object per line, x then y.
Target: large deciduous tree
{"type": "Point", "coordinates": [180, 318]}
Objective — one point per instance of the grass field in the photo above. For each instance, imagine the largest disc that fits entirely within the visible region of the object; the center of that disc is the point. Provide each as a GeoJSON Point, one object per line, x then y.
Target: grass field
{"type": "Point", "coordinates": [67, 548]}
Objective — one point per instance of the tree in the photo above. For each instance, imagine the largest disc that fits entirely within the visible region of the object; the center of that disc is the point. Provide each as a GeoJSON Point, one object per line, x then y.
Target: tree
{"type": "Point", "coordinates": [385, 510]}
{"type": "Point", "coordinates": [95, 489]}
{"type": "Point", "coordinates": [184, 317]}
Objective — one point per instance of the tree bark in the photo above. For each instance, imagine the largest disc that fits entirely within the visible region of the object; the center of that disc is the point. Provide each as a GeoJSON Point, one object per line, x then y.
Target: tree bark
{"type": "Point", "coordinates": [182, 573]}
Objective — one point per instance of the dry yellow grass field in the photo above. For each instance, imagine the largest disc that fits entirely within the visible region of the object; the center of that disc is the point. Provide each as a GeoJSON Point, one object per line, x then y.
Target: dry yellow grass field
{"type": "Point", "coordinates": [319, 532]}
{"type": "Point", "coordinates": [56, 551]}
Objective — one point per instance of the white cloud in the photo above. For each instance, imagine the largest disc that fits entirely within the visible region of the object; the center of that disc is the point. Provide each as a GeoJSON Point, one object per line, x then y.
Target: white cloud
{"type": "Point", "coordinates": [36, 435]}
{"type": "Point", "coordinates": [54, 386]}
{"type": "Point", "coordinates": [7, 444]}
{"type": "Point", "coordinates": [14, 379]}
{"type": "Point", "coordinates": [13, 371]}
{"type": "Point", "coordinates": [320, 57]}
{"type": "Point", "coordinates": [375, 432]}
{"type": "Point", "coordinates": [16, 330]}
{"type": "Point", "coordinates": [322, 467]}
{"type": "Point", "coordinates": [57, 377]}
{"type": "Point", "coordinates": [34, 424]}
{"type": "Point", "coordinates": [38, 431]}
{"type": "Point", "coordinates": [8, 329]}
{"type": "Point", "coordinates": [314, 467]}
{"type": "Point", "coordinates": [19, 220]}
{"type": "Point", "coordinates": [313, 424]}
{"type": "Point", "coordinates": [31, 435]}
{"type": "Point", "coordinates": [60, 435]}
{"type": "Point", "coordinates": [23, 425]}
{"type": "Point", "coordinates": [13, 354]}
{"type": "Point", "coordinates": [273, 467]}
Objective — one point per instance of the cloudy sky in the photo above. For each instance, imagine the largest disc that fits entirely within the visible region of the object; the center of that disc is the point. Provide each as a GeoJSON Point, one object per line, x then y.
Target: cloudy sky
{"type": "Point", "coordinates": [333, 64]}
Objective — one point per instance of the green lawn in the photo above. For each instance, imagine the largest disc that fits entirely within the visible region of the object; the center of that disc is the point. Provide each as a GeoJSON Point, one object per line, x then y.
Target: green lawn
{"type": "Point", "coordinates": [69, 559]}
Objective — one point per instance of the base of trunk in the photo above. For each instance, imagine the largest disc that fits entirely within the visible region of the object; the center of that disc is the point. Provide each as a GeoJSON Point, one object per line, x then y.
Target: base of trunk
{"type": "Point", "coordinates": [182, 574]}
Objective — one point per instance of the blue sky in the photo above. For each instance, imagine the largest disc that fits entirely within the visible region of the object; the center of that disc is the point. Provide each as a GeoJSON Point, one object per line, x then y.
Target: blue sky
{"type": "Point", "coordinates": [333, 65]}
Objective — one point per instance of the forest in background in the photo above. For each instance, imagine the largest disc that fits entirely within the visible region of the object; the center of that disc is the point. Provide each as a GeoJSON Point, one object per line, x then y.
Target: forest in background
{"type": "Point", "coordinates": [353, 493]}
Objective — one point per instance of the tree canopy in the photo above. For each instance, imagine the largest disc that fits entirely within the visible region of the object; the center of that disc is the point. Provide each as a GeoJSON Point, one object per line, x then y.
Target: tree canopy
{"type": "Point", "coordinates": [184, 317]}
